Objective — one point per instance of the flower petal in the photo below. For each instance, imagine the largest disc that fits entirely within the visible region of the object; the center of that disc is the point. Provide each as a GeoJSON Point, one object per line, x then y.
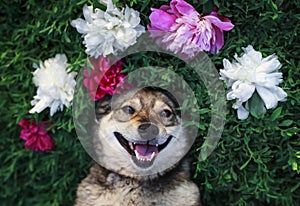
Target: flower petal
{"type": "Point", "coordinates": [242, 113]}
{"type": "Point", "coordinates": [223, 25]}
{"type": "Point", "coordinates": [110, 5]}
{"type": "Point", "coordinates": [189, 33]}
{"type": "Point", "coordinates": [269, 64]}
{"type": "Point", "coordinates": [100, 29]}
{"type": "Point", "coordinates": [54, 84]}
{"type": "Point", "coordinates": [267, 96]}
{"type": "Point", "coordinates": [252, 69]}
{"type": "Point", "coordinates": [36, 136]}
{"type": "Point", "coordinates": [279, 93]}
{"type": "Point", "coordinates": [241, 91]}
{"type": "Point", "coordinates": [40, 105]}
{"type": "Point", "coordinates": [250, 57]}
{"type": "Point", "coordinates": [219, 39]}
{"type": "Point", "coordinates": [161, 20]}
{"type": "Point", "coordinates": [180, 8]}
{"type": "Point", "coordinates": [103, 78]}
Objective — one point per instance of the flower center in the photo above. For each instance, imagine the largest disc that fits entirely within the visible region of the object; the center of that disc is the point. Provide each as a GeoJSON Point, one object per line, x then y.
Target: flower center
{"type": "Point", "coordinates": [202, 23]}
{"type": "Point", "coordinates": [248, 75]}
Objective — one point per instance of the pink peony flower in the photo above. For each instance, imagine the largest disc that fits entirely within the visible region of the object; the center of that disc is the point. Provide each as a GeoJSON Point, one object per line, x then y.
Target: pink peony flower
{"type": "Point", "coordinates": [183, 30]}
{"type": "Point", "coordinates": [103, 79]}
{"type": "Point", "coordinates": [36, 136]}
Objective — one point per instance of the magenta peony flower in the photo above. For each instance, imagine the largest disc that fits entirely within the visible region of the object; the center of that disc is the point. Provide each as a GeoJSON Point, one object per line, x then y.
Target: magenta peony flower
{"type": "Point", "coordinates": [103, 79]}
{"type": "Point", "coordinates": [183, 30]}
{"type": "Point", "coordinates": [36, 136]}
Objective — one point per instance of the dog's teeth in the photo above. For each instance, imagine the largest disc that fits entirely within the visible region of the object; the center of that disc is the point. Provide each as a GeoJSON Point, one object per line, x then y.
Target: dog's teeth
{"type": "Point", "coordinates": [151, 157]}
{"type": "Point", "coordinates": [141, 158]}
{"type": "Point", "coordinates": [137, 154]}
{"type": "Point", "coordinates": [131, 146]}
{"type": "Point", "coordinates": [156, 145]}
{"type": "Point", "coordinates": [153, 154]}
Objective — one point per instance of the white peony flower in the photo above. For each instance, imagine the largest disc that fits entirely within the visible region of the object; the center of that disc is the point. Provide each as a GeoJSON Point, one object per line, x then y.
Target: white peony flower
{"type": "Point", "coordinates": [55, 85]}
{"type": "Point", "coordinates": [110, 31]}
{"type": "Point", "coordinates": [251, 73]}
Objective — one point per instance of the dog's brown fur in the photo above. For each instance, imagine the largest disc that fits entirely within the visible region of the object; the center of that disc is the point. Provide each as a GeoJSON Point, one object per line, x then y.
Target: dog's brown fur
{"type": "Point", "coordinates": [118, 181]}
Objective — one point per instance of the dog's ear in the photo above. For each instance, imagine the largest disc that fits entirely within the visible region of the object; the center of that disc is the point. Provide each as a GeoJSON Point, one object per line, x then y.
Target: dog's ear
{"type": "Point", "coordinates": [103, 107]}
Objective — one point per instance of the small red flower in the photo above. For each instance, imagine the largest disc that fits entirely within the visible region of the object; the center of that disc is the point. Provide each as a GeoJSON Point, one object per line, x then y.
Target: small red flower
{"type": "Point", "coordinates": [36, 136]}
{"type": "Point", "coordinates": [103, 79]}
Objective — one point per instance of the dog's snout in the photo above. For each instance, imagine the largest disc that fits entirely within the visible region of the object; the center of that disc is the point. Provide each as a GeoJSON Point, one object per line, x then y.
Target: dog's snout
{"type": "Point", "coordinates": [148, 131]}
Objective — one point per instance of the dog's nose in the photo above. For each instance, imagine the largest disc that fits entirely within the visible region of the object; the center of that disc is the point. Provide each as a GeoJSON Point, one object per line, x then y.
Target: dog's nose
{"type": "Point", "coordinates": [148, 131]}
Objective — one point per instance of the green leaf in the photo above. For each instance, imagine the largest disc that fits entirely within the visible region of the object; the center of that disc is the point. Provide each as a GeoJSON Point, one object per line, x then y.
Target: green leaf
{"type": "Point", "coordinates": [276, 114]}
{"type": "Point", "coordinates": [274, 5]}
{"type": "Point", "coordinates": [286, 123]}
{"type": "Point", "coordinates": [245, 164]}
{"type": "Point", "coordinates": [97, 4]}
{"type": "Point", "coordinates": [208, 7]}
{"type": "Point", "coordinates": [256, 105]}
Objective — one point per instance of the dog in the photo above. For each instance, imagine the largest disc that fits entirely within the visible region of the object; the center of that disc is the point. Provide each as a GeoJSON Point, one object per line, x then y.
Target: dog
{"type": "Point", "coordinates": [140, 145]}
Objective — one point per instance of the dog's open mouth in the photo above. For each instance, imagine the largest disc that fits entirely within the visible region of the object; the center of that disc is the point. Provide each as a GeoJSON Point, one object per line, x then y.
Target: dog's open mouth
{"type": "Point", "coordinates": [143, 152]}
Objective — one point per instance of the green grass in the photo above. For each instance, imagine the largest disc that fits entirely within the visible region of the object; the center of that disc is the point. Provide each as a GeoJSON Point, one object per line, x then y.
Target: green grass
{"type": "Point", "coordinates": [255, 162]}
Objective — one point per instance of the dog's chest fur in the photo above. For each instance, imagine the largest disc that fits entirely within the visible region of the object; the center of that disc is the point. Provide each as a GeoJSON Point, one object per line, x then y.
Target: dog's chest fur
{"type": "Point", "coordinates": [104, 188]}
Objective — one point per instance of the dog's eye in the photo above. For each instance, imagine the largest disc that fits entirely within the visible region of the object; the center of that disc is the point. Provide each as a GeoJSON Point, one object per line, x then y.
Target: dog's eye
{"type": "Point", "coordinates": [166, 113]}
{"type": "Point", "coordinates": [128, 109]}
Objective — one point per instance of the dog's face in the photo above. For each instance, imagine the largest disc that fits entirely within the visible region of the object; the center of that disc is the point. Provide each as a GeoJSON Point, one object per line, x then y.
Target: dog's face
{"type": "Point", "coordinates": [142, 135]}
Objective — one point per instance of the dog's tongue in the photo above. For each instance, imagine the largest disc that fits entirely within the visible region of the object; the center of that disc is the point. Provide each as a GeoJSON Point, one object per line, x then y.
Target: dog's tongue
{"type": "Point", "coordinates": [146, 150]}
